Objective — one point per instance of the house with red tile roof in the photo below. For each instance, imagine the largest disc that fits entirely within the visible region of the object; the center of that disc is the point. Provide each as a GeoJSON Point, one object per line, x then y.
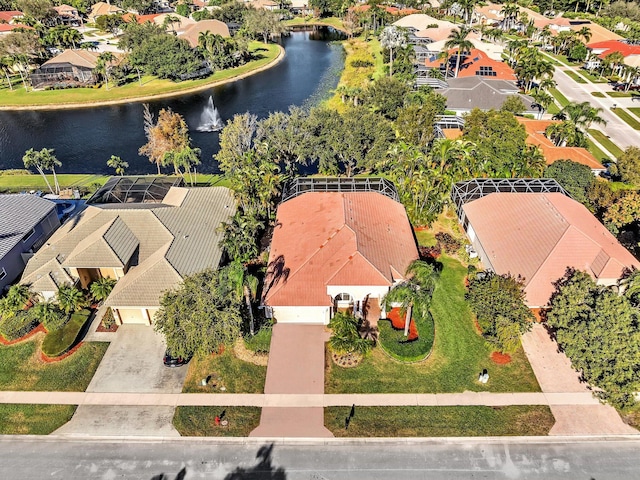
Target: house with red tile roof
{"type": "Point", "coordinates": [631, 53]}
{"type": "Point", "coordinates": [10, 16]}
{"type": "Point", "coordinates": [6, 28]}
{"type": "Point", "coordinates": [337, 250]}
{"type": "Point", "coordinates": [536, 136]}
{"type": "Point", "coordinates": [473, 63]}
{"type": "Point", "coordinates": [538, 235]}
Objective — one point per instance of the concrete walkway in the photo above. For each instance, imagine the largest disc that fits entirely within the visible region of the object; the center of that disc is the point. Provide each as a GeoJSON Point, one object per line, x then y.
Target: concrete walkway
{"type": "Point", "coordinates": [557, 378]}
{"type": "Point", "coordinates": [296, 366]}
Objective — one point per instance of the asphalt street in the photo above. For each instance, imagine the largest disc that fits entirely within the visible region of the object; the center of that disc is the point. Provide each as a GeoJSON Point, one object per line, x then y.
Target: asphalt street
{"type": "Point", "coordinates": [445, 459]}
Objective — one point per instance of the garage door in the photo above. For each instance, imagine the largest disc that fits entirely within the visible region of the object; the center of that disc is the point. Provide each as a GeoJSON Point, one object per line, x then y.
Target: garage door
{"type": "Point", "coordinates": [133, 315]}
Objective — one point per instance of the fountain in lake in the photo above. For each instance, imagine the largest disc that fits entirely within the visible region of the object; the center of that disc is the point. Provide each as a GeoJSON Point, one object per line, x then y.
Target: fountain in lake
{"type": "Point", "coordinates": [210, 120]}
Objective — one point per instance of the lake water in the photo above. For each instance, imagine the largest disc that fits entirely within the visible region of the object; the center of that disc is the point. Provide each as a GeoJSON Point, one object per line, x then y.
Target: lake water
{"type": "Point", "coordinates": [84, 139]}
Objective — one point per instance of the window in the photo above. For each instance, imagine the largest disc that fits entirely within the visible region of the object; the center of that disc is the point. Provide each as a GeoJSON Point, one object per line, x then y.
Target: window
{"type": "Point", "coordinates": [28, 235]}
{"type": "Point", "coordinates": [3, 273]}
{"type": "Point", "coordinates": [344, 297]}
{"type": "Point", "coordinates": [486, 71]}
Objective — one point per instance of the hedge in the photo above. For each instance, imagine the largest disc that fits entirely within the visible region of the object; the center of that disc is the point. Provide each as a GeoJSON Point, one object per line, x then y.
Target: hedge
{"type": "Point", "coordinates": [59, 342]}
{"type": "Point", "coordinates": [394, 342]}
{"type": "Point", "coordinates": [18, 325]}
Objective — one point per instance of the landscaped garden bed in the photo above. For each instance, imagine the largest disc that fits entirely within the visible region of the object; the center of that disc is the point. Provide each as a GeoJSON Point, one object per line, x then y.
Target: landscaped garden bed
{"type": "Point", "coordinates": [415, 347]}
{"type": "Point", "coordinates": [459, 421]}
{"type": "Point", "coordinates": [25, 419]}
{"type": "Point", "coordinates": [62, 340]}
{"type": "Point", "coordinates": [201, 421]}
{"type": "Point", "coordinates": [230, 374]}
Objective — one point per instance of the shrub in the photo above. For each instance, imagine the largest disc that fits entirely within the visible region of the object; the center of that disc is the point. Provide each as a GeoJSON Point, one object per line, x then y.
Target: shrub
{"type": "Point", "coordinates": [394, 342]}
{"type": "Point", "coordinates": [18, 325]}
{"type": "Point", "coordinates": [261, 341]}
{"type": "Point", "coordinates": [108, 320]}
{"type": "Point", "coordinates": [358, 63]}
{"type": "Point", "coordinates": [432, 252]}
{"type": "Point", "coordinates": [448, 243]}
{"type": "Point", "coordinates": [60, 341]}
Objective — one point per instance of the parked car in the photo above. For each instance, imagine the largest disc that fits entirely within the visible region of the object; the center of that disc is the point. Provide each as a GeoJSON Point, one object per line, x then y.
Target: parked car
{"type": "Point", "coordinates": [171, 361]}
{"type": "Point", "coordinates": [621, 87]}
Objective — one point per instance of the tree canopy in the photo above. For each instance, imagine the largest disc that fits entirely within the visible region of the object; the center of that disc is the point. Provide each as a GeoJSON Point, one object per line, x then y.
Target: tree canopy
{"type": "Point", "coordinates": [574, 177]}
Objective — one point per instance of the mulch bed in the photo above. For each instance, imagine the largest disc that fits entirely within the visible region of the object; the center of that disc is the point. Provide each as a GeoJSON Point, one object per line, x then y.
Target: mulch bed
{"type": "Point", "coordinates": [348, 360]}
{"type": "Point", "coordinates": [500, 358]}
{"type": "Point", "coordinates": [397, 321]}
{"type": "Point", "coordinates": [46, 359]}
{"type": "Point", "coordinates": [39, 328]}
{"type": "Point", "coordinates": [113, 328]}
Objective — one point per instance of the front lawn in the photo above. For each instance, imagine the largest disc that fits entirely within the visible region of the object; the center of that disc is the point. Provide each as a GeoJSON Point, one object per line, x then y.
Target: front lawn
{"type": "Point", "coordinates": [459, 354]}
{"type": "Point", "coordinates": [576, 77]}
{"type": "Point", "coordinates": [463, 421]}
{"type": "Point", "coordinates": [627, 117]}
{"type": "Point", "coordinates": [597, 152]}
{"type": "Point", "coordinates": [557, 94]}
{"type": "Point", "coordinates": [606, 142]}
{"type": "Point", "coordinates": [200, 421]}
{"type": "Point", "coordinates": [22, 369]}
{"type": "Point", "coordinates": [235, 375]}
{"type": "Point", "coordinates": [28, 419]}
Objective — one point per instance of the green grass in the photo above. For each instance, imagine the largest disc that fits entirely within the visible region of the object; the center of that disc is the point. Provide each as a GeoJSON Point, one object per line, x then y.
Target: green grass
{"type": "Point", "coordinates": [620, 94]}
{"type": "Point", "coordinates": [458, 355]}
{"type": "Point", "coordinates": [426, 238]}
{"type": "Point", "coordinates": [394, 342]}
{"type": "Point", "coordinates": [597, 152]}
{"type": "Point", "coordinates": [562, 100]}
{"type": "Point", "coordinates": [598, 94]}
{"type": "Point", "coordinates": [22, 369]}
{"type": "Point", "coordinates": [603, 140]}
{"type": "Point", "coordinates": [462, 421]}
{"type": "Point", "coordinates": [576, 78]}
{"type": "Point", "coordinates": [235, 375]}
{"type": "Point", "coordinates": [28, 419]}
{"type": "Point", "coordinates": [150, 85]}
{"type": "Point", "coordinates": [635, 111]}
{"type": "Point", "coordinates": [627, 117]}
{"type": "Point", "coordinates": [60, 341]}
{"type": "Point", "coordinates": [553, 109]}
{"type": "Point", "coordinates": [621, 186]}
{"type": "Point", "coordinates": [200, 421]}
{"type": "Point", "coordinates": [591, 77]}
{"type": "Point", "coordinates": [562, 59]}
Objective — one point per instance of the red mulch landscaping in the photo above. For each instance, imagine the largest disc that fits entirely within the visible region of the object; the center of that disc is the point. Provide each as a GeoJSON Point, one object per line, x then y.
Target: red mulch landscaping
{"type": "Point", "coordinates": [113, 328]}
{"type": "Point", "coordinates": [500, 358]}
{"type": "Point", "coordinates": [397, 321]}
{"type": "Point", "coordinates": [46, 359]}
{"type": "Point", "coordinates": [39, 328]}
{"type": "Point", "coordinates": [477, 325]}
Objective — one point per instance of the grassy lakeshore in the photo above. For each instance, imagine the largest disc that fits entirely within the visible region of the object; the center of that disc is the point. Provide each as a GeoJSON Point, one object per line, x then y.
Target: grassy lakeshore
{"type": "Point", "coordinates": [151, 86]}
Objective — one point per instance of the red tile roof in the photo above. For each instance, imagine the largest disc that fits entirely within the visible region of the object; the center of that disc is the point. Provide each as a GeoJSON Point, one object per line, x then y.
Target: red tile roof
{"type": "Point", "coordinates": [140, 19]}
{"type": "Point", "coordinates": [611, 46]}
{"type": "Point", "coordinates": [391, 10]}
{"type": "Point", "coordinates": [471, 62]}
{"type": "Point", "coordinates": [535, 136]}
{"type": "Point", "coordinates": [329, 238]}
{"type": "Point", "coordinates": [8, 15]}
{"type": "Point", "coordinates": [539, 235]}
{"type": "Point", "coordinates": [6, 27]}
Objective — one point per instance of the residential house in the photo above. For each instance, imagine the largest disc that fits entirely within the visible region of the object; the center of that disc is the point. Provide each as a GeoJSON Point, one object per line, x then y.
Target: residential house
{"type": "Point", "coordinates": [192, 33]}
{"type": "Point", "coordinates": [472, 63]}
{"type": "Point", "coordinates": [27, 222]}
{"type": "Point", "coordinates": [338, 244]}
{"type": "Point", "coordinates": [145, 232]}
{"type": "Point", "coordinates": [6, 28]}
{"type": "Point", "coordinates": [173, 22]}
{"type": "Point", "coordinates": [531, 228]}
{"type": "Point", "coordinates": [10, 16]}
{"type": "Point", "coordinates": [68, 15]}
{"type": "Point", "coordinates": [598, 32]}
{"type": "Point", "coordinates": [301, 7]}
{"type": "Point", "coordinates": [102, 8]}
{"type": "Point", "coordinates": [70, 68]}
{"type": "Point", "coordinates": [465, 94]}
{"type": "Point", "coordinates": [599, 50]}
{"type": "Point", "coordinates": [420, 21]}
{"type": "Point", "coordinates": [536, 136]}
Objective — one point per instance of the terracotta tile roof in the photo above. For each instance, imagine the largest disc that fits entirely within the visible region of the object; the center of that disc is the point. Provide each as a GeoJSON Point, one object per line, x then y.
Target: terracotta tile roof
{"type": "Point", "coordinates": [140, 19]}
{"type": "Point", "coordinates": [103, 8]}
{"type": "Point", "coordinates": [535, 136]}
{"type": "Point", "coordinates": [539, 235]}
{"type": "Point", "coordinates": [337, 239]}
{"type": "Point", "coordinates": [9, 27]}
{"type": "Point", "coordinates": [8, 15]}
{"type": "Point", "coordinates": [598, 32]}
{"type": "Point", "coordinates": [473, 63]}
{"type": "Point", "coordinates": [420, 21]}
{"type": "Point", "coordinates": [610, 46]}
{"type": "Point", "coordinates": [215, 27]}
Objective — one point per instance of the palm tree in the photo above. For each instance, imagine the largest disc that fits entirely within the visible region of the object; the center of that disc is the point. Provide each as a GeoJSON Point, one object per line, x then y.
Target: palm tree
{"type": "Point", "coordinates": [585, 32]}
{"type": "Point", "coordinates": [49, 315]}
{"type": "Point", "coordinates": [345, 337]}
{"type": "Point", "coordinates": [43, 160]}
{"type": "Point", "coordinates": [6, 63]}
{"type": "Point", "coordinates": [510, 12]}
{"type": "Point", "coordinates": [101, 288]}
{"type": "Point", "coordinates": [583, 115]}
{"type": "Point", "coordinates": [171, 20]}
{"type": "Point", "coordinates": [246, 286]}
{"type": "Point", "coordinates": [458, 39]}
{"type": "Point", "coordinates": [118, 164]}
{"type": "Point", "coordinates": [70, 299]}
{"type": "Point", "coordinates": [104, 59]}
{"type": "Point", "coordinates": [16, 298]}
{"type": "Point", "coordinates": [392, 37]}
{"type": "Point", "coordinates": [543, 99]}
{"type": "Point", "coordinates": [413, 295]}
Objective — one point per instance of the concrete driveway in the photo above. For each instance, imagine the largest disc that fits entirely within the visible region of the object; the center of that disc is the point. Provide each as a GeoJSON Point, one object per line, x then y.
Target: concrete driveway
{"type": "Point", "coordinates": [132, 364]}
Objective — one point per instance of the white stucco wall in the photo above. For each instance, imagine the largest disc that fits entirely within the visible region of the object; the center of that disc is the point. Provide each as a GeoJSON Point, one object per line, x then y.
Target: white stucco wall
{"type": "Point", "coordinates": [310, 315]}
{"type": "Point", "coordinates": [358, 292]}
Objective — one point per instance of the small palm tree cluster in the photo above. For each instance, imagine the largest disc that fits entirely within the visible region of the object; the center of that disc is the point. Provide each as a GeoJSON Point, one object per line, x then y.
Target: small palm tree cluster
{"type": "Point", "coordinates": [15, 300]}
{"type": "Point", "coordinates": [43, 160]}
{"type": "Point", "coordinates": [576, 118]}
{"type": "Point", "coordinates": [345, 336]}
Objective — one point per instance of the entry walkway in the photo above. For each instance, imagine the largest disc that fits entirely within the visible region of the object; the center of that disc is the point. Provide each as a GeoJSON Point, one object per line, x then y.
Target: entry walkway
{"type": "Point", "coordinates": [557, 378]}
{"type": "Point", "coordinates": [296, 366]}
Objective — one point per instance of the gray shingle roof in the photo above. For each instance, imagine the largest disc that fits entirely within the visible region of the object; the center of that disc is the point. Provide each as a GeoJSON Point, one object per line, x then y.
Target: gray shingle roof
{"type": "Point", "coordinates": [476, 92]}
{"type": "Point", "coordinates": [19, 213]}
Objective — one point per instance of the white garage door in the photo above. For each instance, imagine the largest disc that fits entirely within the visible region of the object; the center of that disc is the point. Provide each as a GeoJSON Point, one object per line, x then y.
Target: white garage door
{"type": "Point", "coordinates": [133, 315]}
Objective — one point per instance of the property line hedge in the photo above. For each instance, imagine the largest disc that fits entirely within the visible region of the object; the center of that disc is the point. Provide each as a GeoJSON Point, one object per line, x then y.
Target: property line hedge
{"type": "Point", "coordinates": [394, 343]}
{"type": "Point", "coordinates": [18, 325]}
{"type": "Point", "coordinates": [59, 342]}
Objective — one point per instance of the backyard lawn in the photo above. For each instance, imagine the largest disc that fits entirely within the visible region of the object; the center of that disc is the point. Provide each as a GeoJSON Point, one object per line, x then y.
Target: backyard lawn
{"type": "Point", "coordinates": [606, 142]}
{"type": "Point", "coordinates": [459, 354]}
{"type": "Point", "coordinates": [200, 421]}
{"type": "Point", "coordinates": [22, 369]}
{"type": "Point", "coordinates": [463, 421]}
{"type": "Point", "coordinates": [27, 419]}
{"type": "Point", "coordinates": [225, 370]}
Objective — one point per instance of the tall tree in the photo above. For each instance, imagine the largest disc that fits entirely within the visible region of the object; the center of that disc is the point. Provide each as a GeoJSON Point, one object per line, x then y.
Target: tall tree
{"type": "Point", "coordinates": [392, 38]}
{"type": "Point", "coordinates": [458, 39]}
{"type": "Point", "coordinates": [629, 166]}
{"type": "Point", "coordinates": [245, 286]}
{"type": "Point", "coordinates": [263, 23]}
{"type": "Point", "coordinates": [43, 160]}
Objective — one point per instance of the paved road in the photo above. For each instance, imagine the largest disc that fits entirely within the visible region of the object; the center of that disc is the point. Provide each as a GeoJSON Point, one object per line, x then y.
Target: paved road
{"type": "Point", "coordinates": [619, 131]}
{"type": "Point", "coordinates": [482, 458]}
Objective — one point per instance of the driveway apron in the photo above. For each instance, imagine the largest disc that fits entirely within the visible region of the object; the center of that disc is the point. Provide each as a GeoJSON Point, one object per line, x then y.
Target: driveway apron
{"type": "Point", "coordinates": [296, 366]}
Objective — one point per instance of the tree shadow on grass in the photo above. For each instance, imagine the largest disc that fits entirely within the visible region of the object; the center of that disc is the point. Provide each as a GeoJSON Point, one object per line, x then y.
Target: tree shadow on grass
{"type": "Point", "coordinates": [262, 470]}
